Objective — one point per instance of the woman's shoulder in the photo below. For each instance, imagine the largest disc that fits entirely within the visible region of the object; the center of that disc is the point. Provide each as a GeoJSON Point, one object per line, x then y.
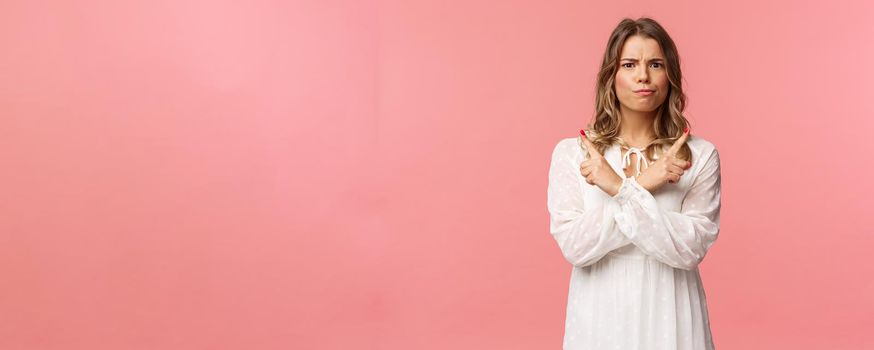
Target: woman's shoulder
{"type": "Point", "coordinates": [703, 151]}
{"type": "Point", "coordinates": [699, 144]}
{"type": "Point", "coordinates": [567, 144]}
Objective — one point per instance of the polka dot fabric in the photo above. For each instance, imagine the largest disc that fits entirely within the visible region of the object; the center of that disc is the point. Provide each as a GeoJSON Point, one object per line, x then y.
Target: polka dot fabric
{"type": "Point", "coordinates": [634, 281]}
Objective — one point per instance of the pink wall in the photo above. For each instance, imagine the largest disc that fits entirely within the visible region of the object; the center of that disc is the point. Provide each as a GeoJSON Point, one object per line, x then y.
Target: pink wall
{"type": "Point", "coordinates": [372, 174]}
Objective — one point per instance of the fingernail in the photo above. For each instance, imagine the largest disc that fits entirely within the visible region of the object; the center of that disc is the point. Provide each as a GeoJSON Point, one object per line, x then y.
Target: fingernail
{"type": "Point", "coordinates": [686, 130]}
{"type": "Point", "coordinates": [583, 132]}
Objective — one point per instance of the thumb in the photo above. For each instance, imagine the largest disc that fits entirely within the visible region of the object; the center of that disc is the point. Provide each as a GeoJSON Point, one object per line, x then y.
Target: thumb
{"type": "Point", "coordinates": [590, 147]}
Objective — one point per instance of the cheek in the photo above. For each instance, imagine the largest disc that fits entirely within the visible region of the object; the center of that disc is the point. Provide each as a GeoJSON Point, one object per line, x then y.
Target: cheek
{"type": "Point", "coordinates": [623, 86]}
{"type": "Point", "coordinates": [664, 86]}
{"type": "Point", "coordinates": [621, 81]}
{"type": "Point", "coordinates": [662, 81]}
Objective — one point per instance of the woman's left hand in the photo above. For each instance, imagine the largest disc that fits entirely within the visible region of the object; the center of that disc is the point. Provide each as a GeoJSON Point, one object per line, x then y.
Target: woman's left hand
{"type": "Point", "coordinates": [668, 168]}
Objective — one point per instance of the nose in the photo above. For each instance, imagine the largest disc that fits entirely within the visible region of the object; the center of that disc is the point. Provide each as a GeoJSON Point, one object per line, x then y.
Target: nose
{"type": "Point", "coordinates": [643, 76]}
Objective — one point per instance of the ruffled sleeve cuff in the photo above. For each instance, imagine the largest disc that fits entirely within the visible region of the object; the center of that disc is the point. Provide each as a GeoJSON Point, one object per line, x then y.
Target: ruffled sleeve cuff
{"type": "Point", "coordinates": [629, 190]}
{"type": "Point", "coordinates": [629, 193]}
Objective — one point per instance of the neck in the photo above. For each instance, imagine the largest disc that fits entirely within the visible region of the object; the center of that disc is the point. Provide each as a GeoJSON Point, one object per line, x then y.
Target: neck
{"type": "Point", "coordinates": [637, 127]}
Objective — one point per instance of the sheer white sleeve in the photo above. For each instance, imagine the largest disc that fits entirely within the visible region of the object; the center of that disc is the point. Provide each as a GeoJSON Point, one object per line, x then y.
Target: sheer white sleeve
{"type": "Point", "coordinates": [679, 239]}
{"type": "Point", "coordinates": [584, 235]}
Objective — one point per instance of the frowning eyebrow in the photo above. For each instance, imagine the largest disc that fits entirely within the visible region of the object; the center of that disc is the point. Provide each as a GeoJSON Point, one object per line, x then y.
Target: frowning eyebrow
{"type": "Point", "coordinates": [636, 60]}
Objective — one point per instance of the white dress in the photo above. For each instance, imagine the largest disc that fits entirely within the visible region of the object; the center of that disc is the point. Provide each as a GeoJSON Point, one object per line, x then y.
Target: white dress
{"type": "Point", "coordinates": [635, 282]}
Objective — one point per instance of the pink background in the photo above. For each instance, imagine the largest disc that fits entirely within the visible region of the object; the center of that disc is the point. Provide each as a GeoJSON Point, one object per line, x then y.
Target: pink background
{"type": "Point", "coordinates": [372, 174]}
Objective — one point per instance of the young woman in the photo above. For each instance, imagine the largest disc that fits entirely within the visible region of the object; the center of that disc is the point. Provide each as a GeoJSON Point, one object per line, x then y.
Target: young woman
{"type": "Point", "coordinates": [634, 204]}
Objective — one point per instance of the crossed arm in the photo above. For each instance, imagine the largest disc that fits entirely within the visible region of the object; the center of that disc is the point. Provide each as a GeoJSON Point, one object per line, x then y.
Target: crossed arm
{"type": "Point", "coordinates": [679, 239]}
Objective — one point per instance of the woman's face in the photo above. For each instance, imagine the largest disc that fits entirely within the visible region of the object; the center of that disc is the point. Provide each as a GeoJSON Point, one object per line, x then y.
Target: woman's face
{"type": "Point", "coordinates": [641, 66]}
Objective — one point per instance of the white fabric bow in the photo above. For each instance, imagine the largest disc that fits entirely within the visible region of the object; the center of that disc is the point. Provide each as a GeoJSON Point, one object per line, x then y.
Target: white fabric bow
{"type": "Point", "coordinates": [626, 160]}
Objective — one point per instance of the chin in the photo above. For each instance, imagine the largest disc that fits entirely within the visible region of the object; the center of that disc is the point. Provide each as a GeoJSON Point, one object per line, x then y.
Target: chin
{"type": "Point", "coordinates": [644, 109]}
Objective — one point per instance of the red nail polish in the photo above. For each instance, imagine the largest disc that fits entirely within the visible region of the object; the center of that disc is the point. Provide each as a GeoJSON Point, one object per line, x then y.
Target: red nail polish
{"type": "Point", "coordinates": [583, 132]}
{"type": "Point", "coordinates": [686, 130]}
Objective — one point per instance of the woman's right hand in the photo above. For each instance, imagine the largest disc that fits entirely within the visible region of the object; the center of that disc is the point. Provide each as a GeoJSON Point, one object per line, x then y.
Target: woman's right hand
{"type": "Point", "coordinates": [597, 171]}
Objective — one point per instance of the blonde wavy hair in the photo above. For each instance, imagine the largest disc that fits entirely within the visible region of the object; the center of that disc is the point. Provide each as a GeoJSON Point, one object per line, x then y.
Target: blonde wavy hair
{"type": "Point", "coordinates": [669, 123]}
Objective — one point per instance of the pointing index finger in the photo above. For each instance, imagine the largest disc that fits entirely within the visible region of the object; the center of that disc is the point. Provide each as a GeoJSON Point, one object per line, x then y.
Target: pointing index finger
{"type": "Point", "coordinates": [590, 147]}
{"type": "Point", "coordinates": [680, 141]}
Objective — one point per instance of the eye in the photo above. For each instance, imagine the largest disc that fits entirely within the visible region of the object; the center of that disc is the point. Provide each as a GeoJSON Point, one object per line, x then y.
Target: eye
{"type": "Point", "coordinates": [659, 65]}
{"type": "Point", "coordinates": [623, 65]}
